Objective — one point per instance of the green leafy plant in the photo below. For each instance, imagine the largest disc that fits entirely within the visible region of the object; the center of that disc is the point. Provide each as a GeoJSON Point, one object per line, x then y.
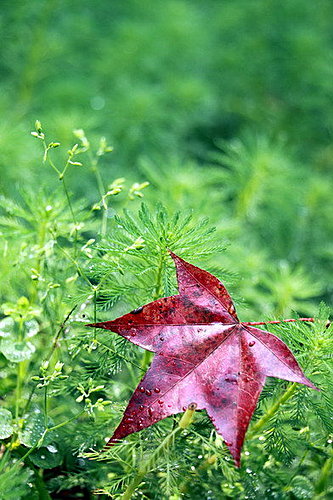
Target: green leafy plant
{"type": "Point", "coordinates": [64, 387]}
{"type": "Point", "coordinates": [232, 124]}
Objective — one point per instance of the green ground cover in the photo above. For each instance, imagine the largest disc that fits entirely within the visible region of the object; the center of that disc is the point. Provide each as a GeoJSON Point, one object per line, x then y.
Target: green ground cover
{"type": "Point", "coordinates": [216, 115]}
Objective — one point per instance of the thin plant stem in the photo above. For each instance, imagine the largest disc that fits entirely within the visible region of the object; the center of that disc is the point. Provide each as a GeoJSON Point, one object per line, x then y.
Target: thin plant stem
{"type": "Point", "coordinates": [95, 311]}
{"type": "Point", "coordinates": [78, 415]}
{"type": "Point", "coordinates": [132, 374]}
{"type": "Point", "coordinates": [53, 348]}
{"type": "Point", "coordinates": [149, 464]}
{"type": "Point", "coordinates": [101, 189]}
{"type": "Point", "coordinates": [147, 356]}
{"type": "Point", "coordinates": [274, 408]}
{"type": "Point", "coordinates": [324, 478]}
{"type": "Point", "coordinates": [59, 332]}
{"type": "Point", "coordinates": [78, 267]}
{"type": "Point", "coordinates": [61, 176]}
{"type": "Point", "coordinates": [158, 284]}
{"type": "Point", "coordinates": [47, 158]}
{"type": "Point", "coordinates": [46, 431]}
{"type": "Point", "coordinates": [118, 354]}
{"type": "Point", "coordinates": [18, 389]}
{"type": "Point", "coordinates": [32, 392]}
{"type": "Point", "coordinates": [146, 360]}
{"type": "Point", "coordinates": [45, 406]}
{"type": "Point", "coordinates": [275, 322]}
{"type": "Point", "coordinates": [20, 376]}
{"type": "Point", "coordinates": [72, 214]}
{"type": "Point", "coordinates": [104, 222]}
{"type": "Point", "coordinates": [94, 168]}
{"type": "Point", "coordinates": [24, 456]}
{"type": "Point", "coordinates": [69, 201]}
{"type": "Point", "coordinates": [146, 467]}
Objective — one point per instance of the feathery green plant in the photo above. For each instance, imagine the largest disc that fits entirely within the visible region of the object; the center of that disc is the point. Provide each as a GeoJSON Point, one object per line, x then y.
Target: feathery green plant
{"type": "Point", "coordinates": [64, 387]}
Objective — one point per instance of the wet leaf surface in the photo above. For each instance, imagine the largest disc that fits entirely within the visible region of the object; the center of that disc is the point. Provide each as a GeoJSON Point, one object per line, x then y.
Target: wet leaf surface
{"type": "Point", "coordinates": [203, 355]}
{"type": "Point", "coordinates": [34, 429]}
{"type": "Point", "coordinates": [6, 427]}
{"type": "Point", "coordinates": [47, 457]}
{"type": "Point", "coordinates": [16, 351]}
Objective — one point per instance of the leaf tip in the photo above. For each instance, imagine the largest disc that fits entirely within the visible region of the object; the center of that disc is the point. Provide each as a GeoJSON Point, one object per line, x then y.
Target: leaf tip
{"type": "Point", "coordinates": [236, 456]}
{"type": "Point", "coordinates": [174, 257]}
{"type": "Point", "coordinates": [96, 325]}
{"type": "Point", "coordinates": [172, 254]}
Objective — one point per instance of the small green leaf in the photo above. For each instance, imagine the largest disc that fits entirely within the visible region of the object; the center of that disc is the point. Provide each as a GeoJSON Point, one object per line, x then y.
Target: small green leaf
{"type": "Point", "coordinates": [16, 351]}
{"type": "Point", "coordinates": [53, 145]}
{"type": "Point", "coordinates": [6, 327]}
{"type": "Point", "coordinates": [6, 427]}
{"type": "Point", "coordinates": [34, 429]}
{"type": "Point", "coordinates": [302, 488]}
{"type": "Point", "coordinates": [46, 457]}
{"type": "Point", "coordinates": [31, 328]}
{"type": "Point", "coordinates": [77, 163]}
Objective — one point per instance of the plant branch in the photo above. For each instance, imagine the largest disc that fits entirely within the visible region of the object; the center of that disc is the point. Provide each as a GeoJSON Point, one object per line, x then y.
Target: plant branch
{"type": "Point", "coordinates": [275, 322]}
{"type": "Point", "coordinates": [118, 354]}
{"type": "Point", "coordinates": [147, 356]}
{"type": "Point", "coordinates": [53, 348]}
{"type": "Point", "coordinates": [40, 441]}
{"type": "Point", "coordinates": [146, 467]}
{"type": "Point", "coordinates": [272, 411]}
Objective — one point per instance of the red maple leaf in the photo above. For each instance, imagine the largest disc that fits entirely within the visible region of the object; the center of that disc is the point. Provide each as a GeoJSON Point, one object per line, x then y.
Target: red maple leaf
{"type": "Point", "coordinates": [203, 354]}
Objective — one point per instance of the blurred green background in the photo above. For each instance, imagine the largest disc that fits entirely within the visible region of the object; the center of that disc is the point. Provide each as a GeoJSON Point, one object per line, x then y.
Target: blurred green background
{"type": "Point", "coordinates": [224, 107]}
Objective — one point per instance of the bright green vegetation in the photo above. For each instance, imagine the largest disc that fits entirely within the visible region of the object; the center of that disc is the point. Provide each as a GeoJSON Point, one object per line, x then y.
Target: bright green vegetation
{"type": "Point", "coordinates": [218, 115]}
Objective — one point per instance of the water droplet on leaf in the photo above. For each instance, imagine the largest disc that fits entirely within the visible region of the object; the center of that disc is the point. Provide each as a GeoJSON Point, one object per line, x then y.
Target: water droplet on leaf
{"type": "Point", "coordinates": [52, 449]}
{"type": "Point", "coordinates": [137, 311]}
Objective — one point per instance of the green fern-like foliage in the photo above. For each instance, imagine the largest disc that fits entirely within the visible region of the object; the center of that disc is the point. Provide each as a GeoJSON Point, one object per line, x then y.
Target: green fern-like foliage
{"type": "Point", "coordinates": [64, 386]}
{"type": "Point", "coordinates": [133, 262]}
